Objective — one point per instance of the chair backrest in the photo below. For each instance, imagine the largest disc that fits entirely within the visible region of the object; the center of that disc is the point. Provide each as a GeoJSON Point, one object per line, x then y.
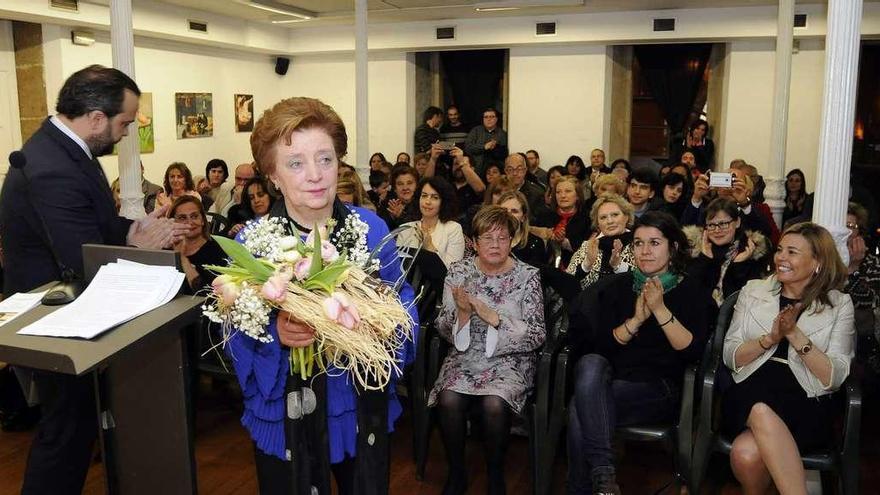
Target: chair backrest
{"type": "Point", "coordinates": [725, 315]}
{"type": "Point", "coordinates": [218, 223]}
{"type": "Point", "coordinates": [555, 315]}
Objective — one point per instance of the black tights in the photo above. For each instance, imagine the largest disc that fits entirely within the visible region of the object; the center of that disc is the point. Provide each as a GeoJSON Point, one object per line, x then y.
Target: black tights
{"type": "Point", "coordinates": [496, 415]}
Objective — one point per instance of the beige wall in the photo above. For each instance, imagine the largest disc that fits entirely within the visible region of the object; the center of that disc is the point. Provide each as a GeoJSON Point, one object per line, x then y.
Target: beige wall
{"type": "Point", "coordinates": [10, 132]}
{"type": "Point", "coordinates": [557, 101]}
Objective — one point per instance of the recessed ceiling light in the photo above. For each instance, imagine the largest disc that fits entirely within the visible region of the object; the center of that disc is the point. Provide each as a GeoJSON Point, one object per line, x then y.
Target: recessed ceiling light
{"type": "Point", "coordinates": [495, 9]}
{"type": "Point", "coordinates": [277, 8]}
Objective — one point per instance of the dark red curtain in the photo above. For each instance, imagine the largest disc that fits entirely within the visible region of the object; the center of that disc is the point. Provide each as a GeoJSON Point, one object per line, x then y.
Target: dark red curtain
{"type": "Point", "coordinates": [673, 74]}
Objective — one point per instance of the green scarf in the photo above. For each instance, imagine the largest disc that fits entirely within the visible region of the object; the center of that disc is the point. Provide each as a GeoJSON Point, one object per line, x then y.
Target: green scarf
{"type": "Point", "coordinates": [668, 279]}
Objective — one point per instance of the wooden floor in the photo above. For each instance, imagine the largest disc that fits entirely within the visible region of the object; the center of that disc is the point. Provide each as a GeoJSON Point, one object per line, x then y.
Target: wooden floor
{"type": "Point", "coordinates": [224, 456]}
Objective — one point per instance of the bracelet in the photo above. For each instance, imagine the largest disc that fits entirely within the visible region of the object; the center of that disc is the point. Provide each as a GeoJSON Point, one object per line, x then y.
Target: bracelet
{"type": "Point", "coordinates": [670, 320]}
{"type": "Point", "coordinates": [626, 328]}
{"type": "Point", "coordinates": [761, 342]}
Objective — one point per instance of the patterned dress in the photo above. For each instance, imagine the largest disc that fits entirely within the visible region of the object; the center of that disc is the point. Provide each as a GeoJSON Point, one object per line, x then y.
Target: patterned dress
{"type": "Point", "coordinates": [507, 370]}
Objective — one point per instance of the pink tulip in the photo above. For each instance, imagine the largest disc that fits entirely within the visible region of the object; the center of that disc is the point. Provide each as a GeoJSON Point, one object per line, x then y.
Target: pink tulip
{"type": "Point", "coordinates": [225, 289]}
{"type": "Point", "coordinates": [275, 289]}
{"type": "Point", "coordinates": [339, 308]}
{"type": "Point", "coordinates": [301, 268]}
{"type": "Point", "coordinates": [328, 252]}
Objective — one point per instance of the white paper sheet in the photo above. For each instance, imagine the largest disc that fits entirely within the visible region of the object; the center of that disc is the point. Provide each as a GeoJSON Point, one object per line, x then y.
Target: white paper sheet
{"type": "Point", "coordinates": [18, 303]}
{"type": "Point", "coordinates": [118, 293]}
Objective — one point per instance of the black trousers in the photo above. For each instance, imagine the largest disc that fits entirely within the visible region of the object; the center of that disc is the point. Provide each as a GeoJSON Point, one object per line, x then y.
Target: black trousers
{"type": "Point", "coordinates": [62, 447]}
{"type": "Point", "coordinates": [274, 475]}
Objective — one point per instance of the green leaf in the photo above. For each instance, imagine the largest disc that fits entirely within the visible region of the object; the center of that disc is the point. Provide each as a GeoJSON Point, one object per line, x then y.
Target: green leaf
{"type": "Point", "coordinates": [317, 263]}
{"type": "Point", "coordinates": [243, 258]}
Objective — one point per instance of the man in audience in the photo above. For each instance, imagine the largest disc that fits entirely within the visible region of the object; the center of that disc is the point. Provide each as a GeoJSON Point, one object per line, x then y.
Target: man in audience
{"type": "Point", "coordinates": [379, 186]}
{"type": "Point", "coordinates": [640, 189]}
{"type": "Point", "coordinates": [454, 130]}
{"type": "Point", "coordinates": [515, 169]}
{"type": "Point", "coordinates": [487, 141]}
{"type": "Point", "coordinates": [216, 171]}
{"type": "Point", "coordinates": [149, 189]}
{"type": "Point", "coordinates": [597, 163]}
{"type": "Point", "coordinates": [538, 174]}
{"type": "Point", "coordinates": [62, 194]}
{"type": "Point", "coordinates": [428, 134]}
{"type": "Point", "coordinates": [243, 173]}
{"type": "Point", "coordinates": [468, 186]}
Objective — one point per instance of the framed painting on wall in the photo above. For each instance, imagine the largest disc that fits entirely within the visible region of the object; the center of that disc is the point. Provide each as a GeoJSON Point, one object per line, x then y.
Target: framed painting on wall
{"type": "Point", "coordinates": [244, 113]}
{"type": "Point", "coordinates": [195, 115]}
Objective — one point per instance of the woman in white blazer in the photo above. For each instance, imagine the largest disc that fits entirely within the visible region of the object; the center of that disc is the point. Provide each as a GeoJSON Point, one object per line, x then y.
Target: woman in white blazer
{"type": "Point", "coordinates": [789, 347]}
{"type": "Point", "coordinates": [436, 230]}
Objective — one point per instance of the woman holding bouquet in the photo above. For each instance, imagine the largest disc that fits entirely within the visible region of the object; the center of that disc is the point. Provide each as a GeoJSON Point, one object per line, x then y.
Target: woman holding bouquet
{"type": "Point", "coordinates": [305, 428]}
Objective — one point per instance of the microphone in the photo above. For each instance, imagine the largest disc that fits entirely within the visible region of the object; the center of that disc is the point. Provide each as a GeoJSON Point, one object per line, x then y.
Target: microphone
{"type": "Point", "coordinates": [70, 286]}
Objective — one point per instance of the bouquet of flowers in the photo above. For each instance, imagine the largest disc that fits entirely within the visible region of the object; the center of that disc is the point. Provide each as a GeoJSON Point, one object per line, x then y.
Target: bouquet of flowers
{"type": "Point", "coordinates": [354, 315]}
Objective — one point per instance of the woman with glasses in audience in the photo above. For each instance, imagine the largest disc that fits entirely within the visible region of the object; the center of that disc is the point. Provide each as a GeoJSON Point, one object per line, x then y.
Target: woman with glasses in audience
{"type": "Point", "coordinates": [178, 182]}
{"type": "Point", "coordinates": [436, 230]}
{"type": "Point", "coordinates": [863, 286]}
{"type": "Point", "coordinates": [724, 254]}
{"type": "Point", "coordinates": [493, 316]}
{"type": "Point", "coordinates": [527, 247]}
{"type": "Point", "coordinates": [196, 248]}
{"type": "Point", "coordinates": [789, 347]}
{"type": "Point", "coordinates": [632, 336]}
{"type": "Point", "coordinates": [396, 209]}
{"type": "Point", "coordinates": [610, 249]}
{"type": "Point", "coordinates": [256, 202]}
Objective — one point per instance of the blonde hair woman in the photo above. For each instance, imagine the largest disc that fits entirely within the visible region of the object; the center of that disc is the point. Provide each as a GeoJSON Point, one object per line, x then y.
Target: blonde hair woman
{"type": "Point", "coordinates": [609, 249]}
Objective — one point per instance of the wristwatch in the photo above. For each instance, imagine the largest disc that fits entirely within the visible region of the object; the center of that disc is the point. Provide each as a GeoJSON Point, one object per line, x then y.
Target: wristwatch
{"type": "Point", "coordinates": [805, 348]}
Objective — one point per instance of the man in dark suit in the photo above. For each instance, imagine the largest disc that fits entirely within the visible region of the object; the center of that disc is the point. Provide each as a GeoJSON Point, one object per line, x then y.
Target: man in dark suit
{"type": "Point", "coordinates": [64, 182]}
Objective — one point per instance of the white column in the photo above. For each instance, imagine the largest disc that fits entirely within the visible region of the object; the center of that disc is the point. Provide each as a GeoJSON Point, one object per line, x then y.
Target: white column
{"type": "Point", "coordinates": [775, 178]}
{"type": "Point", "coordinates": [838, 112]}
{"type": "Point", "coordinates": [122, 43]}
{"type": "Point", "coordinates": [360, 86]}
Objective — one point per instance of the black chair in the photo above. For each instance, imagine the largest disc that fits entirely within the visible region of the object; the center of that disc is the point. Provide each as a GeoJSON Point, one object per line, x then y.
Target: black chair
{"type": "Point", "coordinates": [677, 437]}
{"type": "Point", "coordinates": [217, 223]}
{"type": "Point", "coordinates": [842, 458]}
{"type": "Point", "coordinates": [535, 413]}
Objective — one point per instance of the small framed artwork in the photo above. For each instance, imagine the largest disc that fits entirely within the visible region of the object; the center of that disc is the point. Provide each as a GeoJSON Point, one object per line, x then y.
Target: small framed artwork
{"type": "Point", "coordinates": [195, 115]}
{"type": "Point", "coordinates": [244, 113]}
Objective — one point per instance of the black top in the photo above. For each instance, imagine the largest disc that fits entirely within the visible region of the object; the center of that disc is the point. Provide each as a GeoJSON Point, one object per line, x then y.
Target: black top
{"type": "Point", "coordinates": [576, 231]}
{"type": "Point", "coordinates": [73, 198]}
{"type": "Point", "coordinates": [648, 356]}
{"type": "Point", "coordinates": [782, 349]}
{"type": "Point", "coordinates": [424, 137]}
{"type": "Point", "coordinates": [534, 252]}
{"type": "Point", "coordinates": [209, 254]}
{"type": "Point", "coordinates": [606, 246]}
{"type": "Point", "coordinates": [708, 270]}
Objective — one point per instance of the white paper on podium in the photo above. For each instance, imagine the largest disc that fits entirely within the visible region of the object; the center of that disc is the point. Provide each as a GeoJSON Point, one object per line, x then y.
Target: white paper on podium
{"type": "Point", "coordinates": [18, 303]}
{"type": "Point", "coordinates": [118, 293]}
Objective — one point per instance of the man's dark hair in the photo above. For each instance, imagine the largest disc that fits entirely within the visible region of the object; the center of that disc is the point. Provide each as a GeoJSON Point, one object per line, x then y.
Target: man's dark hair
{"type": "Point", "coordinates": [217, 163]}
{"type": "Point", "coordinates": [493, 110]}
{"type": "Point", "coordinates": [377, 177]}
{"type": "Point", "coordinates": [94, 88]}
{"type": "Point", "coordinates": [450, 107]}
{"type": "Point", "coordinates": [430, 112]}
{"type": "Point", "coordinates": [535, 152]}
{"type": "Point", "coordinates": [644, 175]}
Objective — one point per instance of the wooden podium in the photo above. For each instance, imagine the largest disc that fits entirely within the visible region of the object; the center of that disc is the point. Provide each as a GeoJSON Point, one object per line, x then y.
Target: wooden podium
{"type": "Point", "coordinates": [140, 372]}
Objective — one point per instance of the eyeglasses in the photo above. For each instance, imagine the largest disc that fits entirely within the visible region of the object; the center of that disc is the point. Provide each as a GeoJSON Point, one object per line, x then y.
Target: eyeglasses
{"type": "Point", "coordinates": [489, 240]}
{"type": "Point", "coordinates": [192, 217]}
{"type": "Point", "coordinates": [852, 226]}
{"type": "Point", "coordinates": [718, 225]}
{"type": "Point", "coordinates": [514, 170]}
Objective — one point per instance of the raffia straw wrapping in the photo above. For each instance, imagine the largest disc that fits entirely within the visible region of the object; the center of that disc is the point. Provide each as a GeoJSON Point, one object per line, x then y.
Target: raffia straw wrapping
{"type": "Point", "coordinates": [369, 351]}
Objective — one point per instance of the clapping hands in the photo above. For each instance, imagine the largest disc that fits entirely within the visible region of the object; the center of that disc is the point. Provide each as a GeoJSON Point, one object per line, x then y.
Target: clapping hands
{"type": "Point", "coordinates": [649, 301]}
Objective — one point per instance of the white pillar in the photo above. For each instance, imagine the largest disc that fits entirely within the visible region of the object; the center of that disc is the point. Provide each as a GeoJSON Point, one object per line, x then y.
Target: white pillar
{"type": "Point", "coordinates": [362, 125]}
{"type": "Point", "coordinates": [838, 112]}
{"type": "Point", "coordinates": [775, 179]}
{"type": "Point", "coordinates": [122, 44]}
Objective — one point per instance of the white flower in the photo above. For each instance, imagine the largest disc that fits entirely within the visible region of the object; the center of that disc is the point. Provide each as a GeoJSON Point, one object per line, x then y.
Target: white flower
{"type": "Point", "coordinates": [287, 242]}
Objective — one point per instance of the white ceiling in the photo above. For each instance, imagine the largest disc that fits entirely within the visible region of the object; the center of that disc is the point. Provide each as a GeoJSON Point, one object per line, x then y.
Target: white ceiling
{"type": "Point", "coordinates": [385, 11]}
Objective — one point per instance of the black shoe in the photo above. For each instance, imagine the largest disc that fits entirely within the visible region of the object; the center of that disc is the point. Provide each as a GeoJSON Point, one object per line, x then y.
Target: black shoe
{"type": "Point", "coordinates": [605, 482]}
{"type": "Point", "coordinates": [456, 484]}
